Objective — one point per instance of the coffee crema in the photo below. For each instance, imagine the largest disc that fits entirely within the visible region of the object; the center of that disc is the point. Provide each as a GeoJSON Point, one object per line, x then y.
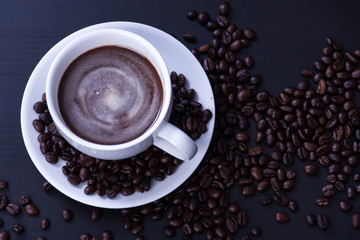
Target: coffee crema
{"type": "Point", "coordinates": [110, 95]}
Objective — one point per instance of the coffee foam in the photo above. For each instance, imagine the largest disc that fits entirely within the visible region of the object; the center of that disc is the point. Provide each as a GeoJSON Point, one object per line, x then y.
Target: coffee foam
{"type": "Point", "coordinates": [110, 95]}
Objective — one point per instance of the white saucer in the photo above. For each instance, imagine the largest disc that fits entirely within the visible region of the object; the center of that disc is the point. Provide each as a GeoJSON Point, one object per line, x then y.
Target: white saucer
{"type": "Point", "coordinates": [178, 58]}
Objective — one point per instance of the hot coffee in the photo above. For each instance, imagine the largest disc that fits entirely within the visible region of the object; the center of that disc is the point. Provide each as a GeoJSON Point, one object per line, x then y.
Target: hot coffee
{"type": "Point", "coordinates": [110, 95]}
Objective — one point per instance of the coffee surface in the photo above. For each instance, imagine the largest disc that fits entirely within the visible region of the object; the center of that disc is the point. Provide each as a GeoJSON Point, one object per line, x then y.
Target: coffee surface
{"type": "Point", "coordinates": [110, 95]}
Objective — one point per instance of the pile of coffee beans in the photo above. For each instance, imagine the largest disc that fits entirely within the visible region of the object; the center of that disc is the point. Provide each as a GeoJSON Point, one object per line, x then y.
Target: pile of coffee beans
{"type": "Point", "coordinates": [108, 178]}
{"type": "Point", "coordinates": [315, 122]}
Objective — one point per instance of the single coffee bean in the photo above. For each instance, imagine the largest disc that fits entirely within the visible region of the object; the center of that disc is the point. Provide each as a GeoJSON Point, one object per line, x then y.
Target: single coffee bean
{"type": "Point", "coordinates": [328, 190]}
{"type": "Point", "coordinates": [242, 218]}
{"type": "Point", "coordinates": [310, 219]}
{"type": "Point", "coordinates": [13, 209]}
{"type": "Point", "coordinates": [350, 192]}
{"type": "Point", "coordinates": [203, 18]}
{"type": "Point", "coordinates": [192, 14]}
{"type": "Point", "coordinates": [31, 210]}
{"type": "Point", "coordinates": [322, 201]}
{"type": "Point", "coordinates": [355, 220]}
{"type": "Point", "coordinates": [18, 228]}
{"type": "Point", "coordinates": [232, 224]}
{"type": "Point", "coordinates": [95, 213]}
{"type": "Point", "coordinates": [191, 38]}
{"type": "Point", "coordinates": [4, 235]}
{"type": "Point", "coordinates": [86, 236]}
{"type": "Point", "coordinates": [24, 200]}
{"type": "Point", "coordinates": [169, 231]}
{"type": "Point", "coordinates": [281, 217]}
{"type": "Point", "coordinates": [224, 8]}
{"type": "Point", "coordinates": [3, 184]}
{"type": "Point", "coordinates": [106, 235]}
{"type": "Point", "coordinates": [265, 200]}
{"type": "Point", "coordinates": [66, 215]}
{"type": "Point", "coordinates": [311, 169]}
{"type": "Point", "coordinates": [292, 205]}
{"type": "Point", "coordinates": [323, 221]}
{"type": "Point", "coordinates": [44, 224]}
{"type": "Point", "coordinates": [255, 231]}
{"type": "Point", "coordinates": [248, 191]}
{"type": "Point", "coordinates": [3, 201]}
{"type": "Point", "coordinates": [345, 206]}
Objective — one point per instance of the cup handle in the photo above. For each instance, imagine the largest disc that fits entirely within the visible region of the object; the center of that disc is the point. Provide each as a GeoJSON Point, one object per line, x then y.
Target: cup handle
{"type": "Point", "coordinates": [175, 142]}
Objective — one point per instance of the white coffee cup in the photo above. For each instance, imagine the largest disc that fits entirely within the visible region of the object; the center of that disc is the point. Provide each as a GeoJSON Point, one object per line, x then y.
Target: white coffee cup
{"type": "Point", "coordinates": [161, 133]}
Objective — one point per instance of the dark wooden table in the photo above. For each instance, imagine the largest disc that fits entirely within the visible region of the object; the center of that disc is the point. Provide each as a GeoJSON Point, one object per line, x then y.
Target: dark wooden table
{"type": "Point", "coordinates": [291, 35]}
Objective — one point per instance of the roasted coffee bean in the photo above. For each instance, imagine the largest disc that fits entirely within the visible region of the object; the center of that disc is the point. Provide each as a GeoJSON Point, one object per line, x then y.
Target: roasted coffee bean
{"type": "Point", "coordinates": [281, 217]}
{"type": "Point", "coordinates": [265, 200]}
{"type": "Point", "coordinates": [328, 190]}
{"type": "Point", "coordinates": [292, 205]}
{"type": "Point", "coordinates": [350, 192]}
{"type": "Point", "coordinates": [203, 18]}
{"type": "Point", "coordinates": [3, 184]}
{"type": "Point", "coordinates": [263, 185]}
{"type": "Point", "coordinates": [355, 220]}
{"type": "Point", "coordinates": [4, 235]}
{"type": "Point", "coordinates": [248, 191]}
{"type": "Point", "coordinates": [242, 218]}
{"type": "Point", "coordinates": [18, 228]}
{"type": "Point", "coordinates": [232, 225]}
{"type": "Point", "coordinates": [311, 169]}
{"type": "Point", "coordinates": [24, 200]}
{"type": "Point", "coordinates": [323, 221]}
{"type": "Point", "coordinates": [224, 8]}
{"type": "Point", "coordinates": [291, 174]}
{"type": "Point", "coordinates": [66, 215]}
{"type": "Point", "coordinates": [310, 219]}
{"type": "Point", "coordinates": [345, 206]}
{"type": "Point", "coordinates": [31, 210]}
{"type": "Point", "coordinates": [191, 38]}
{"type": "Point", "coordinates": [13, 209]}
{"type": "Point", "coordinates": [288, 185]}
{"type": "Point", "coordinates": [3, 201]}
{"type": "Point", "coordinates": [45, 223]}
{"type": "Point", "coordinates": [95, 213]}
{"type": "Point", "coordinates": [255, 231]}
{"type": "Point", "coordinates": [192, 14]}
{"type": "Point", "coordinates": [106, 235]}
{"type": "Point", "coordinates": [322, 201]}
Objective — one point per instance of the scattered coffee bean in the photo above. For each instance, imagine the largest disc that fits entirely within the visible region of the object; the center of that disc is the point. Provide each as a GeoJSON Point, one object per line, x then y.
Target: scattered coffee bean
{"type": "Point", "coordinates": [345, 206]}
{"type": "Point", "coordinates": [3, 184]}
{"type": "Point", "coordinates": [24, 200]}
{"type": "Point", "coordinates": [45, 223]}
{"type": "Point", "coordinates": [47, 186]}
{"type": "Point", "coordinates": [192, 14]}
{"type": "Point", "coordinates": [4, 235]}
{"type": "Point", "coordinates": [18, 228]}
{"type": "Point", "coordinates": [31, 210]}
{"type": "Point", "coordinates": [355, 220]}
{"type": "Point", "coordinates": [95, 213]}
{"type": "Point", "coordinates": [281, 217]}
{"type": "Point", "coordinates": [13, 209]}
{"type": "Point", "coordinates": [66, 215]}
{"type": "Point", "coordinates": [106, 235]}
{"type": "Point", "coordinates": [323, 221]}
{"type": "Point", "coordinates": [311, 169]}
{"type": "Point", "coordinates": [189, 37]}
{"type": "Point", "coordinates": [255, 231]}
{"type": "Point", "coordinates": [310, 219]}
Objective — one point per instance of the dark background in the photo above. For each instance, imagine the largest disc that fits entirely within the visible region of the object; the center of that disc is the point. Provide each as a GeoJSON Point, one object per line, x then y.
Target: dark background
{"type": "Point", "coordinates": [291, 35]}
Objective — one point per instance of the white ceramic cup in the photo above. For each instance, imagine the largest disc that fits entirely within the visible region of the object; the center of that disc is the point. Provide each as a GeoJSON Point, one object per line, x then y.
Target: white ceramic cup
{"type": "Point", "coordinates": [162, 133]}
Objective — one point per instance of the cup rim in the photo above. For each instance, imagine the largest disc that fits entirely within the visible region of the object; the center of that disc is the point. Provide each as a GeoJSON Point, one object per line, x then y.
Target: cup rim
{"type": "Point", "coordinates": [53, 79]}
